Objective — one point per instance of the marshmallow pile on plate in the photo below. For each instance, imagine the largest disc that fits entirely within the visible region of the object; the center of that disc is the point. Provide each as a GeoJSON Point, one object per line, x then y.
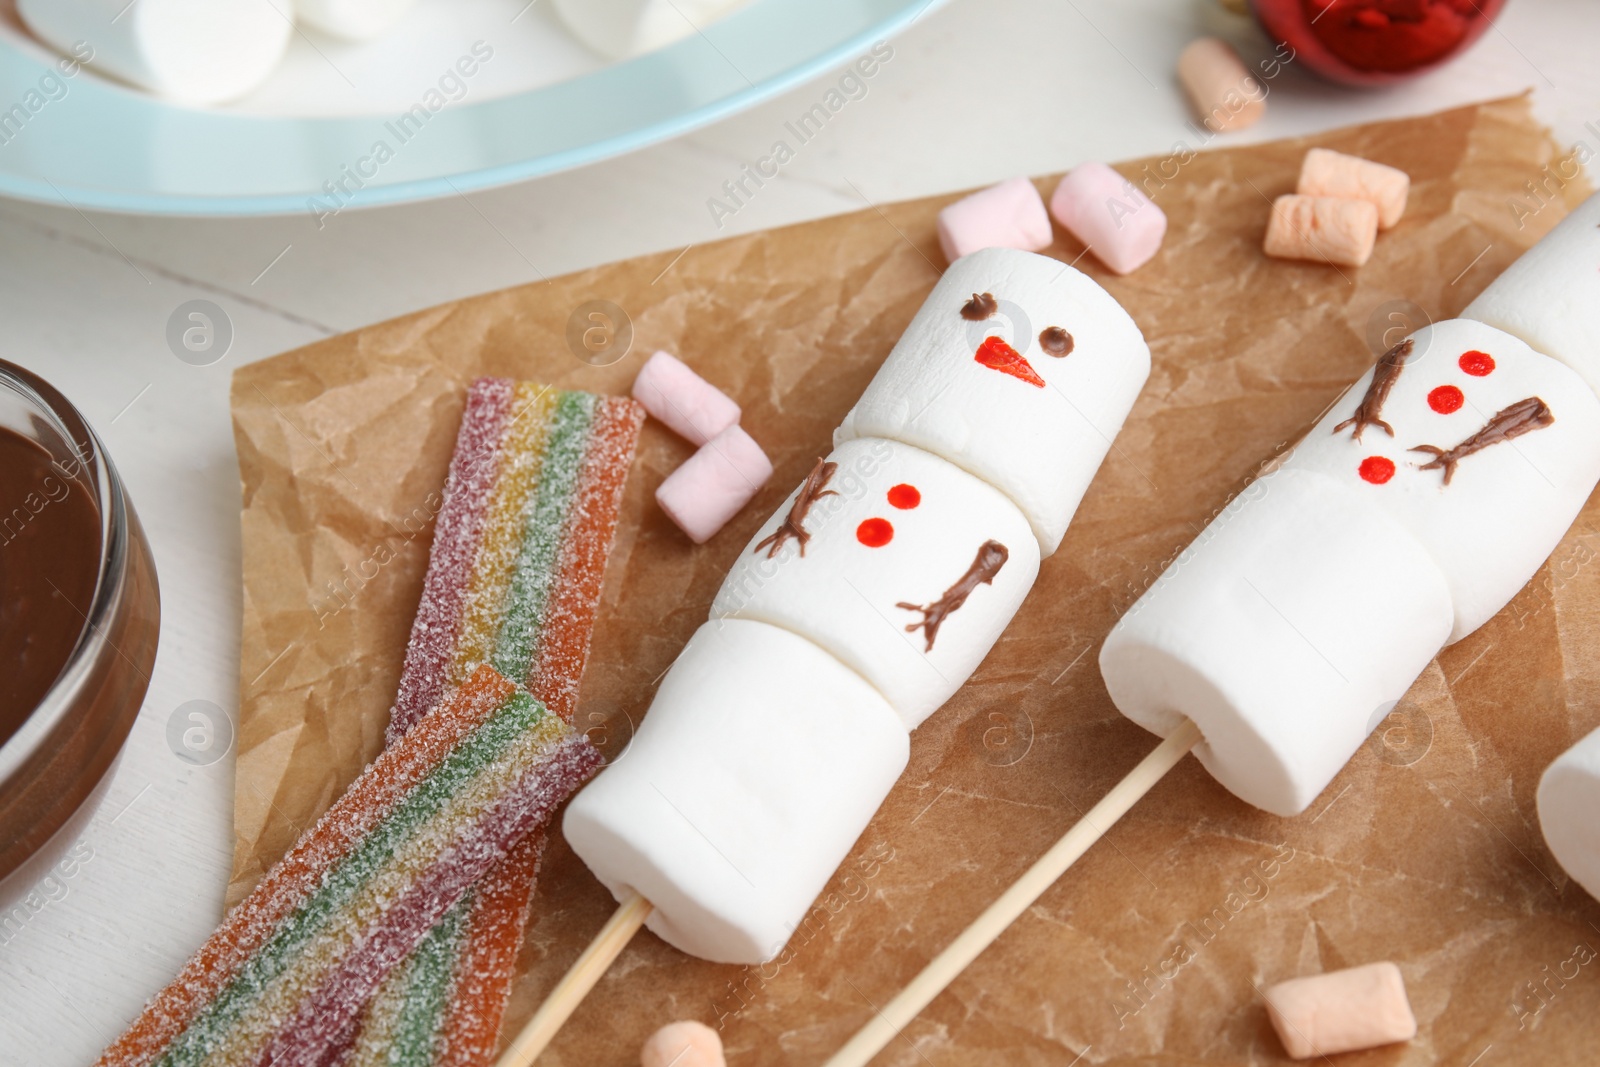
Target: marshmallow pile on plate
{"type": "Point", "coordinates": [1419, 505]}
{"type": "Point", "coordinates": [197, 51]}
{"type": "Point", "coordinates": [862, 604]}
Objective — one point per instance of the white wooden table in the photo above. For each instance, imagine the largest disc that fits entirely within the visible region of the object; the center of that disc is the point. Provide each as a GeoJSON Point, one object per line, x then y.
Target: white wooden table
{"type": "Point", "coordinates": [975, 92]}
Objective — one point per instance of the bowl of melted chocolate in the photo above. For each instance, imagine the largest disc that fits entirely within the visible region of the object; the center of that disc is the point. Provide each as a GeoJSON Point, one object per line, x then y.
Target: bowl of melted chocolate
{"type": "Point", "coordinates": [79, 613]}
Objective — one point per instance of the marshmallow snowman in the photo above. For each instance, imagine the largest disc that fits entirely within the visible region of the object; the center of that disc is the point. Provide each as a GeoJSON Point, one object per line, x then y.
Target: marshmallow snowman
{"type": "Point", "coordinates": [862, 604]}
{"type": "Point", "coordinates": [1019, 371]}
{"type": "Point", "coordinates": [1414, 510]}
{"type": "Point", "coordinates": [904, 567]}
{"type": "Point", "coordinates": [1482, 448]}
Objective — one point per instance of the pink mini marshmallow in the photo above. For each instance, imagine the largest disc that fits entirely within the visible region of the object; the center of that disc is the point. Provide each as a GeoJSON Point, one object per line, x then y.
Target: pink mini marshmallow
{"type": "Point", "coordinates": [1109, 214]}
{"type": "Point", "coordinates": [1008, 215]}
{"type": "Point", "coordinates": [714, 483]}
{"type": "Point", "coordinates": [692, 407]}
{"type": "Point", "coordinates": [1341, 1011]}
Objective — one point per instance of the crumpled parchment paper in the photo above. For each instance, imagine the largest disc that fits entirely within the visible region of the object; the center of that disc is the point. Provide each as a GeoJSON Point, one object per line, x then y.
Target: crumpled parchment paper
{"type": "Point", "coordinates": [1425, 850]}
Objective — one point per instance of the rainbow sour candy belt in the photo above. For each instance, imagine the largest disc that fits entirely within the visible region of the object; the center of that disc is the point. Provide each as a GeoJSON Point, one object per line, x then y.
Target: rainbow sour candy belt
{"type": "Point", "coordinates": [514, 578]}
{"type": "Point", "coordinates": [382, 873]}
{"type": "Point", "coordinates": [521, 542]}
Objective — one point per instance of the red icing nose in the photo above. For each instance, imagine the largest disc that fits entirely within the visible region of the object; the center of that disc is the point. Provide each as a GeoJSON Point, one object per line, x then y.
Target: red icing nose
{"type": "Point", "coordinates": [997, 355]}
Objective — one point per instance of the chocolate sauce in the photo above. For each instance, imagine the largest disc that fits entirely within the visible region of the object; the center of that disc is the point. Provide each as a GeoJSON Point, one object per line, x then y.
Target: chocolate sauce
{"type": "Point", "coordinates": [1524, 416]}
{"type": "Point", "coordinates": [992, 555]}
{"type": "Point", "coordinates": [49, 562]}
{"type": "Point", "coordinates": [1055, 341]}
{"type": "Point", "coordinates": [980, 307]}
{"type": "Point", "coordinates": [1384, 375]}
{"type": "Point", "coordinates": [794, 524]}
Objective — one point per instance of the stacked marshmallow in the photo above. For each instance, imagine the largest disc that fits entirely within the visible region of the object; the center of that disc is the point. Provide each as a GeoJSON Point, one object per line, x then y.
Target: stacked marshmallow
{"type": "Point", "coordinates": [1551, 298]}
{"type": "Point", "coordinates": [1412, 512]}
{"type": "Point", "coordinates": [863, 604]}
{"type": "Point", "coordinates": [728, 467]}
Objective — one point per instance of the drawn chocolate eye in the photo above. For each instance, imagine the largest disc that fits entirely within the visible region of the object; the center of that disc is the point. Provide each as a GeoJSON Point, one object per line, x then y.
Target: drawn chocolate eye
{"type": "Point", "coordinates": [980, 307]}
{"type": "Point", "coordinates": [1055, 341]}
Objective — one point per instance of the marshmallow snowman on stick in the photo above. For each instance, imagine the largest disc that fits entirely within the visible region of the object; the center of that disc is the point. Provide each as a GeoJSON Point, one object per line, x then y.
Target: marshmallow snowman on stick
{"type": "Point", "coordinates": [860, 606]}
{"type": "Point", "coordinates": [1414, 510]}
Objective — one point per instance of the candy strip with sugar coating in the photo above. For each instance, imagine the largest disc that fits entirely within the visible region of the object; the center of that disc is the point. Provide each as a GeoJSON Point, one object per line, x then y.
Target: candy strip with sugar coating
{"type": "Point", "coordinates": [514, 577]}
{"type": "Point", "coordinates": [364, 886]}
{"type": "Point", "coordinates": [535, 485]}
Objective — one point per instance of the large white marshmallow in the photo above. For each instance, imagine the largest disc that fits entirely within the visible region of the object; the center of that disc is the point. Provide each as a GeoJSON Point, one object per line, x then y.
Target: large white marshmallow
{"type": "Point", "coordinates": [1506, 507]}
{"type": "Point", "coordinates": [1550, 297]}
{"type": "Point", "coordinates": [1569, 800]}
{"type": "Point", "coordinates": [759, 764]}
{"type": "Point", "coordinates": [845, 591]}
{"type": "Point", "coordinates": [1038, 443]}
{"type": "Point", "coordinates": [353, 20]}
{"type": "Point", "coordinates": [1286, 632]}
{"type": "Point", "coordinates": [197, 51]}
{"type": "Point", "coordinates": [618, 29]}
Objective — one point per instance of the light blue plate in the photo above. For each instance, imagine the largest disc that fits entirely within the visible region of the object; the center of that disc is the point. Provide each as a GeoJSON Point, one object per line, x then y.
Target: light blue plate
{"type": "Point", "coordinates": [103, 147]}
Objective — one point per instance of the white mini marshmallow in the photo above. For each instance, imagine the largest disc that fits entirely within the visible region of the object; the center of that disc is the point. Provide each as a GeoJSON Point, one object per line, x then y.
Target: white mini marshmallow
{"type": "Point", "coordinates": [1550, 297]}
{"type": "Point", "coordinates": [1507, 506]}
{"type": "Point", "coordinates": [1285, 632]}
{"type": "Point", "coordinates": [711, 486]}
{"type": "Point", "coordinates": [353, 20]}
{"type": "Point", "coordinates": [902, 527]}
{"type": "Point", "coordinates": [1008, 215]}
{"type": "Point", "coordinates": [691, 407]}
{"type": "Point", "coordinates": [1569, 799]}
{"type": "Point", "coordinates": [620, 29]}
{"type": "Point", "coordinates": [1036, 429]}
{"type": "Point", "coordinates": [196, 51]}
{"type": "Point", "coordinates": [760, 762]}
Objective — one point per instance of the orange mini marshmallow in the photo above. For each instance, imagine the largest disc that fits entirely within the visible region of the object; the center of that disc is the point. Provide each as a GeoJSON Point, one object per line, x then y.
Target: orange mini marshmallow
{"type": "Point", "coordinates": [1221, 89]}
{"type": "Point", "coordinates": [1326, 229]}
{"type": "Point", "coordinates": [1341, 1011]}
{"type": "Point", "coordinates": [683, 1044]}
{"type": "Point", "coordinates": [1328, 173]}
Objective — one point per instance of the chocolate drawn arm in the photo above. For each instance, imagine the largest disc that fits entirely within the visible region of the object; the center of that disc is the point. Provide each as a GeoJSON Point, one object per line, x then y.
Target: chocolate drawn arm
{"type": "Point", "coordinates": [1522, 417]}
{"type": "Point", "coordinates": [1384, 375]}
{"type": "Point", "coordinates": [793, 524]}
{"type": "Point", "coordinates": [992, 555]}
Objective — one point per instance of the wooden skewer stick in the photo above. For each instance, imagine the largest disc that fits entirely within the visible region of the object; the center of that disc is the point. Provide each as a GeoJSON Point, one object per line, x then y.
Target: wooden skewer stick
{"type": "Point", "coordinates": [888, 1023]}
{"type": "Point", "coordinates": [576, 983]}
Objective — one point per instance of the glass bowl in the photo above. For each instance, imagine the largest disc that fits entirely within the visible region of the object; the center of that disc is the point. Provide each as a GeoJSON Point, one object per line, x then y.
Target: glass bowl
{"type": "Point", "coordinates": [62, 749]}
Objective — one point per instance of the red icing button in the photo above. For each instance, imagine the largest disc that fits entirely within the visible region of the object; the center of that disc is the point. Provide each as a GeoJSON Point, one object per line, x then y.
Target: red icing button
{"type": "Point", "coordinates": [997, 355]}
{"type": "Point", "coordinates": [1377, 469]}
{"type": "Point", "coordinates": [1476, 363]}
{"type": "Point", "coordinates": [1446, 398]}
{"type": "Point", "coordinates": [904, 496]}
{"type": "Point", "coordinates": [875, 533]}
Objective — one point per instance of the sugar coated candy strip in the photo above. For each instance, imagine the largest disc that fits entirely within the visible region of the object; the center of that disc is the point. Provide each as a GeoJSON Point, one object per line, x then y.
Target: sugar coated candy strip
{"type": "Point", "coordinates": [514, 579]}
{"type": "Point", "coordinates": [283, 979]}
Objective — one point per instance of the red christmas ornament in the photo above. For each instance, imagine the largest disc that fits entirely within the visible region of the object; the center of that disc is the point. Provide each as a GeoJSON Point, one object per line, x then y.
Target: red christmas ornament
{"type": "Point", "coordinates": [1373, 42]}
{"type": "Point", "coordinates": [875, 533]}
